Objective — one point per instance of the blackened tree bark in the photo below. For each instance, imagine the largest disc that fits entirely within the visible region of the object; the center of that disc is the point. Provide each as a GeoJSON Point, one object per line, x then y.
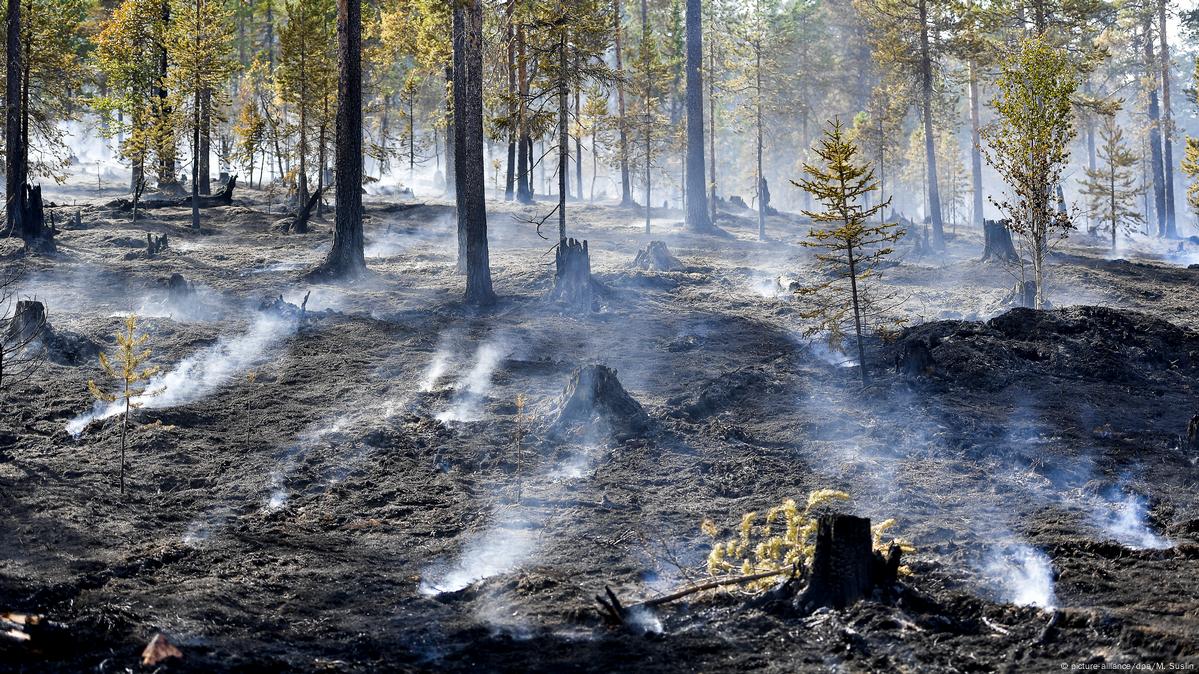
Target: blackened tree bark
{"type": "Point", "coordinates": [510, 174]}
{"type": "Point", "coordinates": [196, 148]}
{"type": "Point", "coordinates": [1167, 123]}
{"type": "Point", "coordinates": [346, 258]}
{"type": "Point", "coordinates": [698, 215]}
{"type": "Point", "coordinates": [449, 134]}
{"type": "Point", "coordinates": [14, 153]}
{"type": "Point", "coordinates": [926, 85]}
{"type": "Point", "coordinates": [1155, 136]}
{"type": "Point", "coordinates": [524, 190]}
{"type": "Point", "coordinates": [468, 147]}
{"type": "Point", "coordinates": [578, 140]}
{"type": "Point", "coordinates": [166, 149]}
{"type": "Point", "coordinates": [205, 142]}
{"type": "Point", "coordinates": [563, 128]}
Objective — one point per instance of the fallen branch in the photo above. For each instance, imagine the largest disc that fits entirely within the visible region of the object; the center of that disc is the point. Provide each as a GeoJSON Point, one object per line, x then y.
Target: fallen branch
{"type": "Point", "coordinates": [614, 612]}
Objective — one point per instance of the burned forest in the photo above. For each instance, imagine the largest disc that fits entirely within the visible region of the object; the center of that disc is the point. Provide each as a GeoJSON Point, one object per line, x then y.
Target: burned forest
{"type": "Point", "coordinates": [599, 336]}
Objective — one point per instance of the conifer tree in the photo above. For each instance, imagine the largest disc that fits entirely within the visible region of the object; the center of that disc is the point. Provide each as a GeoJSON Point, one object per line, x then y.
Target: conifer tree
{"type": "Point", "coordinates": [304, 75]}
{"type": "Point", "coordinates": [1190, 168]}
{"type": "Point", "coordinates": [200, 48]}
{"type": "Point", "coordinates": [648, 73]}
{"type": "Point", "coordinates": [849, 248]}
{"type": "Point", "coordinates": [1112, 188]}
{"type": "Point", "coordinates": [1029, 146]}
{"type": "Point", "coordinates": [124, 371]}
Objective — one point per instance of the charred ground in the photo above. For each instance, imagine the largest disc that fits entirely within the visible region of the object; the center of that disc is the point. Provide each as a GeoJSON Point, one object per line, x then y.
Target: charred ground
{"type": "Point", "coordinates": [318, 502]}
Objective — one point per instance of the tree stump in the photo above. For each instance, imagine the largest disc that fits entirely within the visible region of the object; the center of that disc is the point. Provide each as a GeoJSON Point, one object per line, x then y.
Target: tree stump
{"type": "Point", "coordinates": [572, 275]}
{"type": "Point", "coordinates": [1192, 441]}
{"type": "Point", "coordinates": [845, 567]}
{"type": "Point", "coordinates": [28, 321]}
{"type": "Point", "coordinates": [155, 244]}
{"type": "Point", "coordinates": [914, 359]}
{"type": "Point", "coordinates": [656, 257]}
{"type": "Point", "coordinates": [997, 242]}
{"type": "Point", "coordinates": [300, 224]}
{"type": "Point", "coordinates": [179, 289]}
{"type": "Point", "coordinates": [29, 222]}
{"type": "Point", "coordinates": [594, 394]}
{"type": "Point", "coordinates": [1023, 294]}
{"type": "Point", "coordinates": [737, 201]}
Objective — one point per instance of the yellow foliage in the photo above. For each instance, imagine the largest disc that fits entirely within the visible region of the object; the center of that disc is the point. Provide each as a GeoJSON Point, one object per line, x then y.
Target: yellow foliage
{"type": "Point", "coordinates": [757, 548]}
{"type": "Point", "coordinates": [129, 357]}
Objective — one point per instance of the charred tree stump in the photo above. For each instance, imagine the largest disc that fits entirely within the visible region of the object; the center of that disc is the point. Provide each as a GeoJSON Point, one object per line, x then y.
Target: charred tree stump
{"type": "Point", "coordinates": [656, 257]}
{"type": "Point", "coordinates": [593, 395]}
{"type": "Point", "coordinates": [300, 224]}
{"type": "Point", "coordinates": [914, 359]}
{"type": "Point", "coordinates": [29, 222]}
{"type": "Point", "coordinates": [845, 567]}
{"type": "Point", "coordinates": [155, 244]}
{"type": "Point", "coordinates": [1192, 439]}
{"type": "Point", "coordinates": [1023, 294]}
{"type": "Point", "coordinates": [572, 275]}
{"type": "Point", "coordinates": [997, 242]}
{"type": "Point", "coordinates": [179, 289]}
{"type": "Point", "coordinates": [28, 321]}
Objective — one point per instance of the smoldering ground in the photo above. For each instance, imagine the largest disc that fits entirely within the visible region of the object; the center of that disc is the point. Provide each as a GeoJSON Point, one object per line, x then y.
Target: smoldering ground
{"type": "Point", "coordinates": [291, 520]}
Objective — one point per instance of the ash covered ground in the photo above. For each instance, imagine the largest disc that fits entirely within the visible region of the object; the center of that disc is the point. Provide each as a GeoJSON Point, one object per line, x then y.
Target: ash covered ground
{"type": "Point", "coordinates": [348, 494]}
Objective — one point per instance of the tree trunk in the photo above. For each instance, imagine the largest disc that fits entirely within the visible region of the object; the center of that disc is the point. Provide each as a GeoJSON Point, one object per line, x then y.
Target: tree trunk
{"type": "Point", "coordinates": [510, 173]}
{"type": "Point", "coordinates": [926, 68]}
{"type": "Point", "coordinates": [166, 150]}
{"type": "Point", "coordinates": [997, 242]}
{"type": "Point", "coordinates": [468, 148]}
{"type": "Point", "coordinates": [1167, 124]}
{"type": "Point", "coordinates": [845, 567]}
{"type": "Point", "coordinates": [626, 193]}
{"type": "Point", "coordinates": [14, 193]}
{"type": "Point", "coordinates": [346, 258]}
{"type": "Point", "coordinates": [524, 179]}
{"type": "Point", "coordinates": [450, 175]}
{"type": "Point", "coordinates": [578, 140]}
{"type": "Point", "coordinates": [699, 218]}
{"type": "Point", "coordinates": [572, 275]}
{"type": "Point", "coordinates": [205, 142]}
{"type": "Point", "coordinates": [1155, 137]}
{"type": "Point", "coordinates": [197, 94]}
{"type": "Point", "coordinates": [976, 162]}
{"type": "Point", "coordinates": [563, 130]}
{"type": "Point", "coordinates": [761, 181]}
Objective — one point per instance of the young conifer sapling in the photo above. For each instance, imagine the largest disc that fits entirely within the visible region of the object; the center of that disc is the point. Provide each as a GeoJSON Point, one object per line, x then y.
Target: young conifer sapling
{"type": "Point", "coordinates": [123, 370]}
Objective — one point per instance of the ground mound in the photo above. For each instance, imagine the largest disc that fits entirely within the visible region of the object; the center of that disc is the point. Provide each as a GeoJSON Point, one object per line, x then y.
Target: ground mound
{"type": "Point", "coordinates": [1093, 344]}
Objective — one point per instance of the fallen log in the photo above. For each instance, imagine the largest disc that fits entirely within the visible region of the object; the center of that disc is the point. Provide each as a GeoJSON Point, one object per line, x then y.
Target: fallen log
{"type": "Point", "coordinates": [223, 197]}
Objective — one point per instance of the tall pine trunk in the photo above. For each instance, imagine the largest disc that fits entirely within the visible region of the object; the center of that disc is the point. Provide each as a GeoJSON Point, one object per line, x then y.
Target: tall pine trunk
{"type": "Point", "coordinates": [976, 161]}
{"type": "Point", "coordinates": [698, 217]}
{"type": "Point", "coordinates": [926, 86]}
{"type": "Point", "coordinates": [205, 142]}
{"type": "Point", "coordinates": [450, 174]}
{"type": "Point", "coordinates": [626, 194]}
{"type": "Point", "coordinates": [563, 130]}
{"type": "Point", "coordinates": [166, 149]}
{"type": "Point", "coordinates": [346, 258]}
{"type": "Point", "coordinates": [1167, 123]}
{"type": "Point", "coordinates": [1155, 137]}
{"type": "Point", "coordinates": [761, 186]}
{"type": "Point", "coordinates": [470, 179]}
{"type": "Point", "coordinates": [524, 178]}
{"type": "Point", "coordinates": [13, 151]}
{"type": "Point", "coordinates": [510, 173]}
{"type": "Point", "coordinates": [197, 95]}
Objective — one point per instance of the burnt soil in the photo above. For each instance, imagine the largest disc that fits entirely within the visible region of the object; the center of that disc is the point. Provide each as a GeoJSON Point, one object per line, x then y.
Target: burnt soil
{"type": "Point", "coordinates": [301, 513]}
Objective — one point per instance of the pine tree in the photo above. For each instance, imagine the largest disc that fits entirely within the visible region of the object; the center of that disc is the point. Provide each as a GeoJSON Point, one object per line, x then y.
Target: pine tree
{"type": "Point", "coordinates": [1029, 145]}
{"type": "Point", "coordinates": [200, 48]}
{"type": "Point", "coordinates": [1112, 188]}
{"type": "Point", "coordinates": [1190, 167]}
{"type": "Point", "coordinates": [128, 378]}
{"type": "Point", "coordinates": [304, 75]}
{"type": "Point", "coordinates": [850, 250]}
{"type": "Point", "coordinates": [648, 72]}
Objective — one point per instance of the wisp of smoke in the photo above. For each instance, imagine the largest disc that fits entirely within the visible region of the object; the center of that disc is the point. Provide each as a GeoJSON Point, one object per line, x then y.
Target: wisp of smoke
{"type": "Point", "coordinates": [1125, 519]}
{"type": "Point", "coordinates": [501, 549]}
{"type": "Point", "coordinates": [1021, 574]}
{"type": "Point", "coordinates": [437, 367]}
{"type": "Point", "coordinates": [200, 374]}
{"type": "Point", "coordinates": [468, 401]}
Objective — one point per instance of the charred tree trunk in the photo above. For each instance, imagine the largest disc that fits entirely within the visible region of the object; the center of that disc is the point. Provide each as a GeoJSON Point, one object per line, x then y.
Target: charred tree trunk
{"type": "Point", "coordinates": [28, 321]}
{"type": "Point", "coordinates": [1167, 123]}
{"type": "Point", "coordinates": [930, 155]}
{"type": "Point", "coordinates": [205, 142]}
{"type": "Point", "coordinates": [572, 275]}
{"type": "Point", "coordinates": [997, 242]}
{"type": "Point", "coordinates": [524, 190]}
{"type": "Point", "coordinates": [699, 218]}
{"type": "Point", "coordinates": [223, 197]}
{"type": "Point", "coordinates": [346, 257]}
{"type": "Point", "coordinates": [563, 130]}
{"type": "Point", "coordinates": [14, 193]}
{"type": "Point", "coordinates": [450, 175]}
{"type": "Point", "coordinates": [468, 148]}
{"type": "Point", "coordinates": [510, 173]}
{"type": "Point", "coordinates": [845, 567]}
{"type": "Point", "coordinates": [1155, 136]}
{"type": "Point", "coordinates": [626, 188]}
{"type": "Point", "coordinates": [300, 224]}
